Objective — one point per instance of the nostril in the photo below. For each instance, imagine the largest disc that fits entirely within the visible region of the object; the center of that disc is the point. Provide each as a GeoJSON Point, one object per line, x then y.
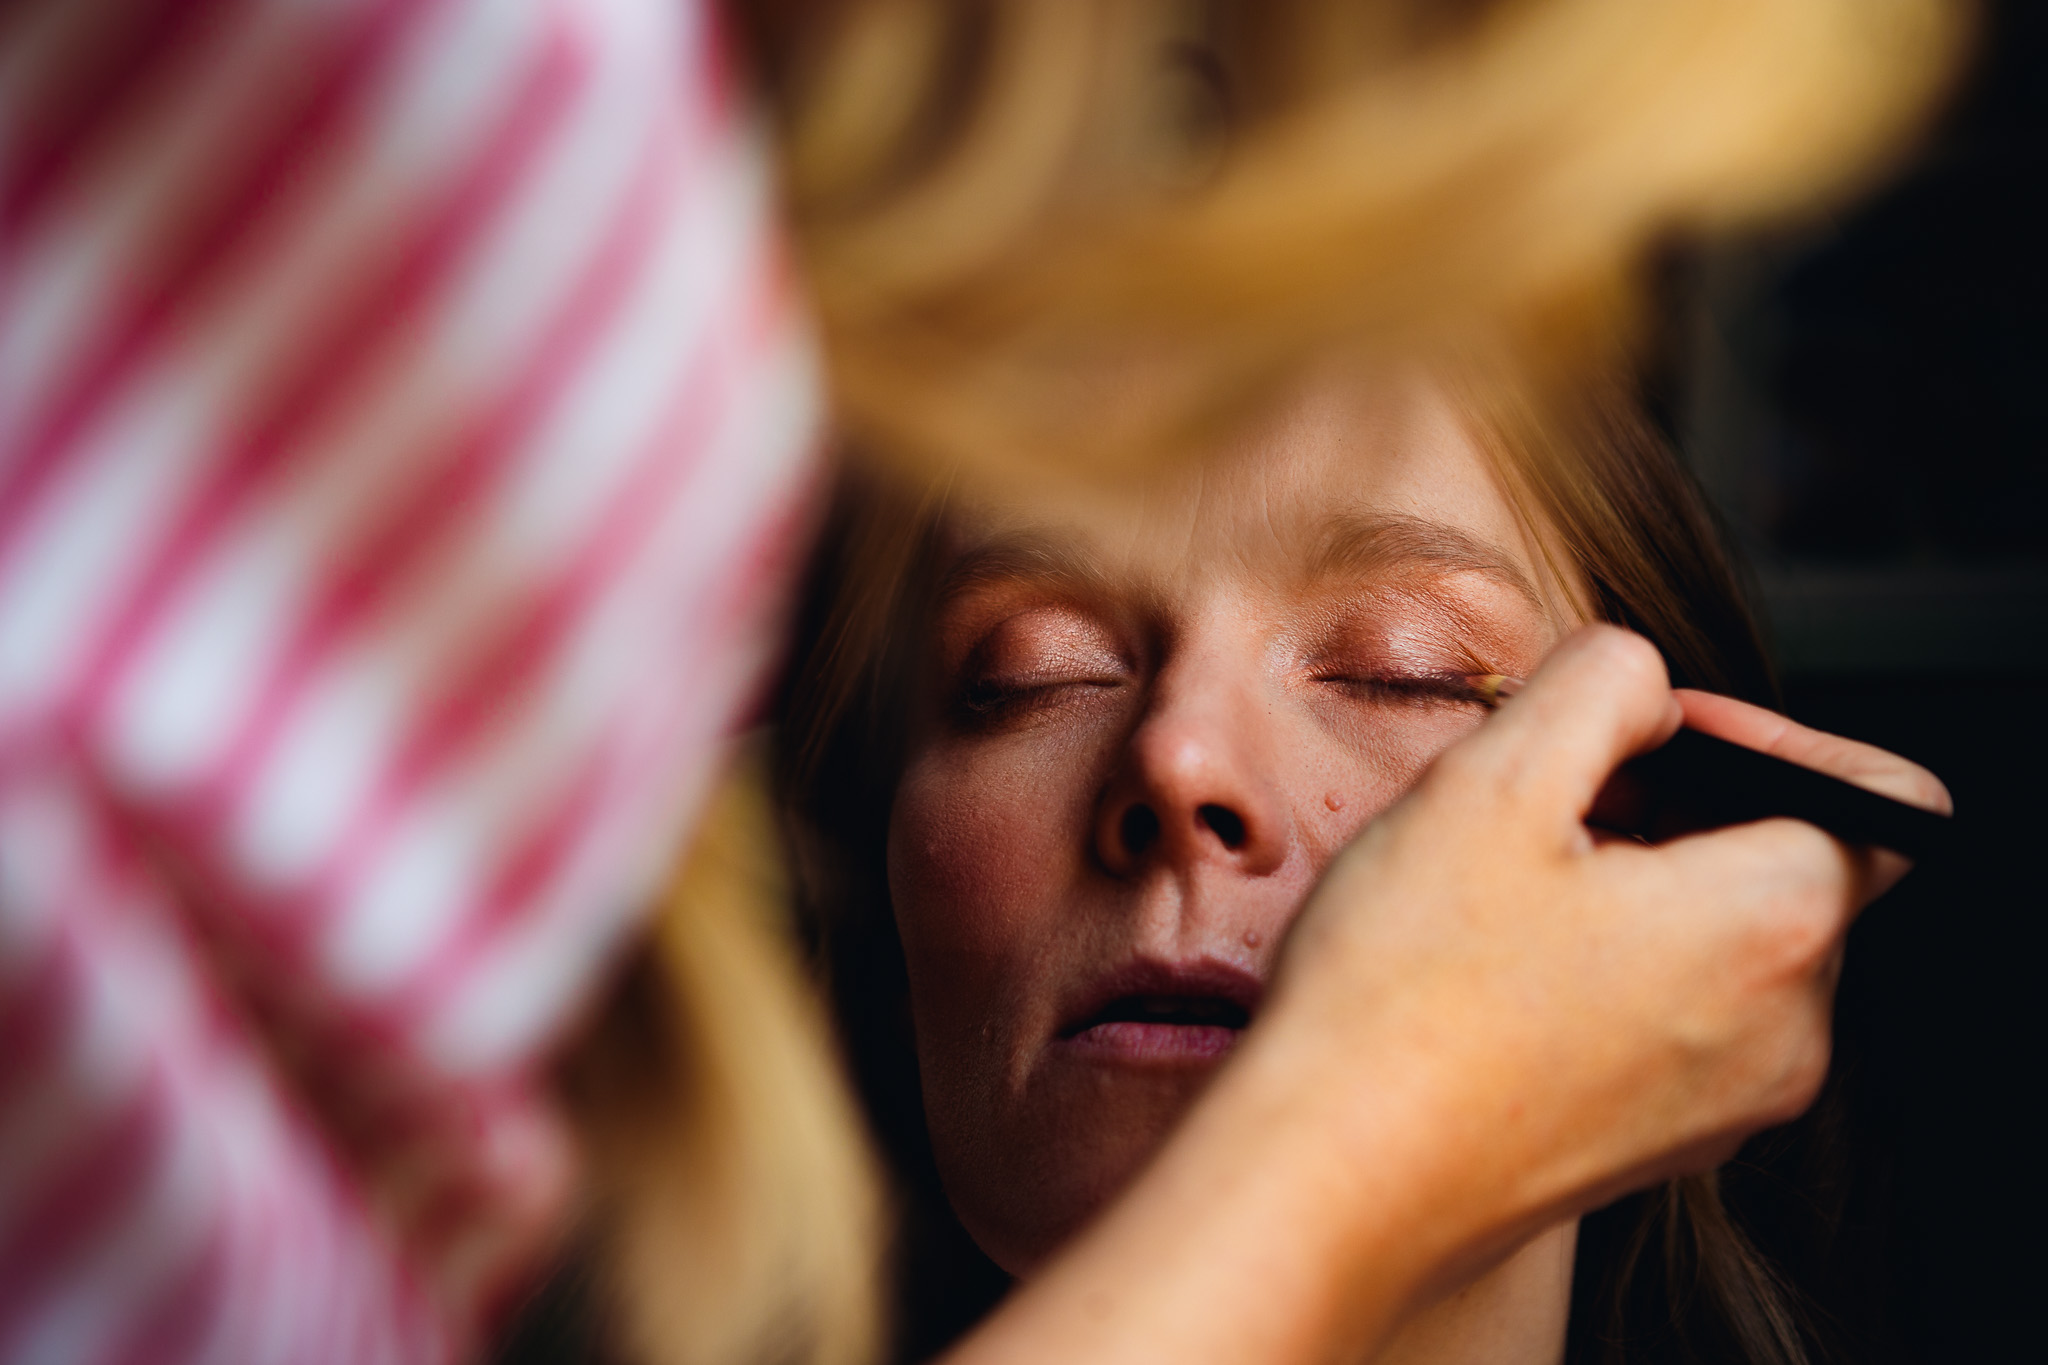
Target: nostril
{"type": "Point", "coordinates": [1139, 830]}
{"type": "Point", "coordinates": [1227, 823]}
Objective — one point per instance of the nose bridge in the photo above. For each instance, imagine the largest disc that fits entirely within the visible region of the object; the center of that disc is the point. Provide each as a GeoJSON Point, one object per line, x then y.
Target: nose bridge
{"type": "Point", "coordinates": [1198, 780]}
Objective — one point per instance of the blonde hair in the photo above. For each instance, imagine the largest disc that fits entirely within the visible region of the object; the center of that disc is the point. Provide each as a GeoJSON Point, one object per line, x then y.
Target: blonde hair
{"type": "Point", "coordinates": [1030, 246]}
{"type": "Point", "coordinates": [737, 1213]}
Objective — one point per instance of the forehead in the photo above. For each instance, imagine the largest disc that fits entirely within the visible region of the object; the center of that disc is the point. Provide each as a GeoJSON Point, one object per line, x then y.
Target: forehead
{"type": "Point", "coordinates": [1352, 470]}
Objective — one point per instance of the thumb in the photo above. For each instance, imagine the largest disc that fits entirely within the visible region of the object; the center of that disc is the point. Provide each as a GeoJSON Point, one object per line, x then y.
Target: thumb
{"type": "Point", "coordinates": [1601, 696]}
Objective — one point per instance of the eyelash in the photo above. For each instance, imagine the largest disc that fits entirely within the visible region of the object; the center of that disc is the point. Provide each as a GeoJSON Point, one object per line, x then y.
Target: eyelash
{"type": "Point", "coordinates": [1414, 689]}
{"type": "Point", "coordinates": [984, 699]}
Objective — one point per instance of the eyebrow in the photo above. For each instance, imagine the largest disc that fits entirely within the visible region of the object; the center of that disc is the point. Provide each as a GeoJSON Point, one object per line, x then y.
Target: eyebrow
{"type": "Point", "coordinates": [1021, 555]}
{"type": "Point", "coordinates": [1343, 545]}
{"type": "Point", "coordinates": [1350, 544]}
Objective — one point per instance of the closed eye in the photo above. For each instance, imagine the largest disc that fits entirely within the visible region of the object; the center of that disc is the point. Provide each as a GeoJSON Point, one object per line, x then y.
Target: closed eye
{"type": "Point", "coordinates": [1420, 689]}
{"type": "Point", "coordinates": [1003, 698]}
{"type": "Point", "coordinates": [1035, 657]}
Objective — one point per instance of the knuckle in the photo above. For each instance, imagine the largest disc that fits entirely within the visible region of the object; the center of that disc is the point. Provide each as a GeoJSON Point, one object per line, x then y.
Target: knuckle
{"type": "Point", "coordinates": [1633, 652]}
{"type": "Point", "coordinates": [1797, 901]}
{"type": "Point", "coordinates": [1623, 652]}
{"type": "Point", "coordinates": [1802, 931]}
{"type": "Point", "coordinates": [1803, 1070]}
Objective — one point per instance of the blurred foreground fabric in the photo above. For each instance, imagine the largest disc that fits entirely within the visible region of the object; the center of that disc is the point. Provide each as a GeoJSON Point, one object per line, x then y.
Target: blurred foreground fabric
{"type": "Point", "coordinates": [405, 434]}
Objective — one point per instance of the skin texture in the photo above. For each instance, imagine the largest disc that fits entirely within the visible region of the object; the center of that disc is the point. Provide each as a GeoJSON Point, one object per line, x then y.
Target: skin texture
{"type": "Point", "coordinates": [1146, 738]}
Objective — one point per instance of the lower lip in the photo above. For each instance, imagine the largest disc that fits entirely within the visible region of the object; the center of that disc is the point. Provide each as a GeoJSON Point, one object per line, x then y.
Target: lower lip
{"type": "Point", "coordinates": [1133, 1042]}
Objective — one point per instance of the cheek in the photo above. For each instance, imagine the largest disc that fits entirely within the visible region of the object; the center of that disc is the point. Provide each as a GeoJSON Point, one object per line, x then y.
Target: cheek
{"type": "Point", "coordinates": [1405, 751]}
{"type": "Point", "coordinates": [985, 844]}
{"type": "Point", "coordinates": [1370, 762]}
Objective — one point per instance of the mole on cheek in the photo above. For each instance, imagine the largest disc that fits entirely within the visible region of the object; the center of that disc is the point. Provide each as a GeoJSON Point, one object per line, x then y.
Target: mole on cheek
{"type": "Point", "coordinates": [1334, 801]}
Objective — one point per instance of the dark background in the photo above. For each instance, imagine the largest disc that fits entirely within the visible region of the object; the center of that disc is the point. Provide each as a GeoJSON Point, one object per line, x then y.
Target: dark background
{"type": "Point", "coordinates": [1867, 402]}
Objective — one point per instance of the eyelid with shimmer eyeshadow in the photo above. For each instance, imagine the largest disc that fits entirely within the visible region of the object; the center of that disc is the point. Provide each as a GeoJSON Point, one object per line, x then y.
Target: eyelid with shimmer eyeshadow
{"type": "Point", "coordinates": [1077, 651]}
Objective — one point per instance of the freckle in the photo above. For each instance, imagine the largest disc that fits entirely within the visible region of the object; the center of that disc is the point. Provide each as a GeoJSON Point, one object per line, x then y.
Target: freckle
{"type": "Point", "coordinates": [1334, 801]}
{"type": "Point", "coordinates": [1253, 938]}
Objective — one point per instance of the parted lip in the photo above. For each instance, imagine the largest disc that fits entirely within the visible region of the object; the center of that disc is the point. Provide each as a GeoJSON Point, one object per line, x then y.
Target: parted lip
{"type": "Point", "coordinates": [1203, 992]}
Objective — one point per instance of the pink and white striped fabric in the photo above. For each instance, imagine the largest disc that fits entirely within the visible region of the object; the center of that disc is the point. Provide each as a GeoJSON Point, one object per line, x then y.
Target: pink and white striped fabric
{"type": "Point", "coordinates": [405, 432]}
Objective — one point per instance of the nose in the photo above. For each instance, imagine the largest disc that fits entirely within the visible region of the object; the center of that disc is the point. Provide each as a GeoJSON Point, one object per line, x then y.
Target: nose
{"type": "Point", "coordinates": [1196, 783]}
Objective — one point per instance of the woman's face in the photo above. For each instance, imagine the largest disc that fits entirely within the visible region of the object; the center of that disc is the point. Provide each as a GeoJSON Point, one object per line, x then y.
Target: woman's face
{"type": "Point", "coordinates": [1145, 736]}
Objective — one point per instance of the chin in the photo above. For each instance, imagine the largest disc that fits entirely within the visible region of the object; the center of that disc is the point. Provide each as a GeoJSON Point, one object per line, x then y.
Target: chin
{"type": "Point", "coordinates": [1024, 1184]}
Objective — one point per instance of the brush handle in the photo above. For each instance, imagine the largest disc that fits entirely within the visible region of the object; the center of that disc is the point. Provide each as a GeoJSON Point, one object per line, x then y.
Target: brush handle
{"type": "Point", "coordinates": [1723, 783]}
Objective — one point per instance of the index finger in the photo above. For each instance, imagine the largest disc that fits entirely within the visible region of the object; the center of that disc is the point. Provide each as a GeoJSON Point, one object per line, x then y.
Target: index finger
{"type": "Point", "coordinates": [1865, 765]}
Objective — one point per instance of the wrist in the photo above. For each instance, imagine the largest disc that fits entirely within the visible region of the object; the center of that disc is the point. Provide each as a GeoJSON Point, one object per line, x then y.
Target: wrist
{"type": "Point", "coordinates": [1372, 1145]}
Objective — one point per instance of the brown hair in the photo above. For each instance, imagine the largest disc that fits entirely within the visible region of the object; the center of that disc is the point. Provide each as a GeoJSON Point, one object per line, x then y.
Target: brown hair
{"type": "Point", "coordinates": [1670, 1274]}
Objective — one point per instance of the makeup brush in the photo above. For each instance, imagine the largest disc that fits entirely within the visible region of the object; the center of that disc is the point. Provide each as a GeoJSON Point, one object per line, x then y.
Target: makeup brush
{"type": "Point", "coordinates": [1696, 780]}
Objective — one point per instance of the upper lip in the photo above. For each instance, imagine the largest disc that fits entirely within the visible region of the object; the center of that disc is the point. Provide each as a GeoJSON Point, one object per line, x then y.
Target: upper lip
{"type": "Point", "coordinates": [1235, 990]}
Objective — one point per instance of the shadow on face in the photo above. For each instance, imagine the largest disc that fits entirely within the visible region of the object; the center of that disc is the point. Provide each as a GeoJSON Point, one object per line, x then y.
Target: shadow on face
{"type": "Point", "coordinates": [1145, 730]}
